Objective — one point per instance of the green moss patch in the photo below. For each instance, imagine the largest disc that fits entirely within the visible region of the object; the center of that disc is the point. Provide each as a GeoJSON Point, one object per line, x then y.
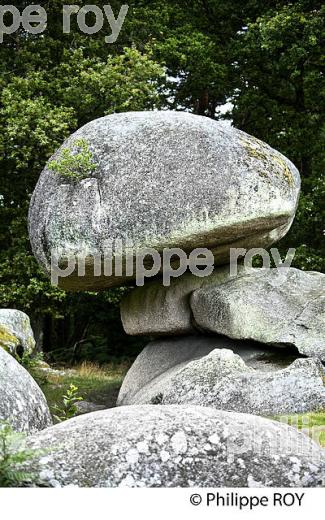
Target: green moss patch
{"type": "Point", "coordinates": [76, 162]}
{"type": "Point", "coordinates": [7, 340]}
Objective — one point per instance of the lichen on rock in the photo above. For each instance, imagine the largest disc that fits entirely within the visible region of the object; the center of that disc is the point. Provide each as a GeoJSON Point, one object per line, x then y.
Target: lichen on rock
{"type": "Point", "coordinates": [16, 335]}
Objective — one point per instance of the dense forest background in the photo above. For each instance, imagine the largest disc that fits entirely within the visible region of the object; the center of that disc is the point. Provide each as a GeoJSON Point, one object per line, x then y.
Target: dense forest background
{"type": "Point", "coordinates": [264, 59]}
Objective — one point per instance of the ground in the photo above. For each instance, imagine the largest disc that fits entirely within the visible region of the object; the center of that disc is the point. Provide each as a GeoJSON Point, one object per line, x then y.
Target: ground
{"type": "Point", "coordinates": [99, 385]}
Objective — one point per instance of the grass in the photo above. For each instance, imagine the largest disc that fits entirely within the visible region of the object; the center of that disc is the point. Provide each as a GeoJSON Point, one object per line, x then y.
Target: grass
{"type": "Point", "coordinates": [99, 385]}
{"type": "Point", "coordinates": [312, 424]}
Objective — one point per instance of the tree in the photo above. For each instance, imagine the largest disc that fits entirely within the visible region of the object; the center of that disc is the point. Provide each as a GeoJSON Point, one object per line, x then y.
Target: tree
{"type": "Point", "coordinates": [280, 98]}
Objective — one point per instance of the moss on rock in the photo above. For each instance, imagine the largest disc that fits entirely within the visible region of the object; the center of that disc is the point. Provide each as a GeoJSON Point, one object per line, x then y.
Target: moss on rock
{"type": "Point", "coordinates": [8, 341]}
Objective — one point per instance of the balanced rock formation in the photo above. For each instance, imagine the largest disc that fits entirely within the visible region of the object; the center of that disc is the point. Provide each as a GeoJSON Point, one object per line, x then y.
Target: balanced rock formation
{"type": "Point", "coordinates": [281, 307]}
{"type": "Point", "coordinates": [205, 371]}
{"type": "Point", "coordinates": [16, 335]}
{"type": "Point", "coordinates": [140, 182]}
{"type": "Point", "coordinates": [158, 180]}
{"type": "Point", "coordinates": [175, 446]}
{"type": "Point", "coordinates": [22, 402]}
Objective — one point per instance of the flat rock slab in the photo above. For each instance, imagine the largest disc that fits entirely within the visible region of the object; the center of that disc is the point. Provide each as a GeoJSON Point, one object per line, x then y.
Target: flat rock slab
{"type": "Point", "coordinates": [235, 191]}
{"type": "Point", "coordinates": [203, 371]}
{"type": "Point", "coordinates": [281, 307]}
{"type": "Point", "coordinates": [22, 402]}
{"type": "Point", "coordinates": [157, 310]}
{"type": "Point", "coordinates": [175, 446]}
{"type": "Point", "coordinates": [16, 335]}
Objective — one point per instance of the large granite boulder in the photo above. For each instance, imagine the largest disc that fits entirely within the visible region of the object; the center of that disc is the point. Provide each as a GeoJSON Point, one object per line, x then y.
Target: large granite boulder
{"type": "Point", "coordinates": [160, 358]}
{"type": "Point", "coordinates": [158, 180]}
{"type": "Point", "coordinates": [175, 446]}
{"type": "Point", "coordinates": [223, 381]}
{"type": "Point", "coordinates": [16, 335]}
{"type": "Point", "coordinates": [281, 307]}
{"type": "Point", "coordinates": [164, 357]}
{"type": "Point", "coordinates": [22, 403]}
{"type": "Point", "coordinates": [225, 375]}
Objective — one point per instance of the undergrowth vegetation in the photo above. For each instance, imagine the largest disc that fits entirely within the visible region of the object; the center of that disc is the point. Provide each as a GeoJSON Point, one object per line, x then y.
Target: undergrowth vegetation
{"type": "Point", "coordinates": [13, 455]}
{"type": "Point", "coordinates": [96, 384]}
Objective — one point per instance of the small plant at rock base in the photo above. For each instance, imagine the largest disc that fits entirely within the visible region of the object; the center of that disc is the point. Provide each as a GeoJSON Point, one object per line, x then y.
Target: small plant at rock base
{"type": "Point", "coordinates": [31, 361]}
{"type": "Point", "coordinates": [13, 455]}
{"type": "Point", "coordinates": [76, 162]}
{"type": "Point", "coordinates": [68, 409]}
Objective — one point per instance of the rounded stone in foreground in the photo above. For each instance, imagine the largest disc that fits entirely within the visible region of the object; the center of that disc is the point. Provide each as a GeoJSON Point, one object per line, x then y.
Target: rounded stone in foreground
{"type": "Point", "coordinates": [159, 180]}
{"type": "Point", "coordinates": [22, 402]}
{"type": "Point", "coordinates": [175, 446]}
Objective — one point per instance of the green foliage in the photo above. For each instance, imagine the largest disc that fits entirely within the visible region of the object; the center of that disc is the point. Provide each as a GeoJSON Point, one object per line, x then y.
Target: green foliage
{"type": "Point", "coordinates": [68, 408]}
{"type": "Point", "coordinates": [76, 162]}
{"type": "Point", "coordinates": [30, 361]}
{"type": "Point", "coordinates": [13, 455]}
{"type": "Point", "coordinates": [280, 98]}
{"type": "Point", "coordinates": [41, 103]}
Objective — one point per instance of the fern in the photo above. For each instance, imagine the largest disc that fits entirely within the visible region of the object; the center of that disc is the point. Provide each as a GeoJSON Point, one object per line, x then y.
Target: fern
{"type": "Point", "coordinates": [13, 456]}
